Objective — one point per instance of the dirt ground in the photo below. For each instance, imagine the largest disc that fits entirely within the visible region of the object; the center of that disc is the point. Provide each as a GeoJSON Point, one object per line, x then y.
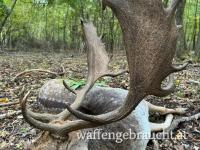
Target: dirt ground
{"type": "Point", "coordinates": [14, 131]}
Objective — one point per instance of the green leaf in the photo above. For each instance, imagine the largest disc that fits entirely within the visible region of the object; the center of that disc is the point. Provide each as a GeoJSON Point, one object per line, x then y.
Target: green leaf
{"type": "Point", "coordinates": [79, 83]}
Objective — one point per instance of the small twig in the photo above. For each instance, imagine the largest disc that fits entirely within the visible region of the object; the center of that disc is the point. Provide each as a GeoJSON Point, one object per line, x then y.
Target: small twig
{"type": "Point", "coordinates": [63, 69]}
{"type": "Point", "coordinates": [9, 104]}
{"type": "Point", "coordinates": [9, 114]}
{"type": "Point", "coordinates": [116, 74]}
{"type": "Point", "coordinates": [69, 88]}
{"type": "Point", "coordinates": [22, 91]}
{"type": "Point", "coordinates": [196, 65]}
{"type": "Point", "coordinates": [36, 70]}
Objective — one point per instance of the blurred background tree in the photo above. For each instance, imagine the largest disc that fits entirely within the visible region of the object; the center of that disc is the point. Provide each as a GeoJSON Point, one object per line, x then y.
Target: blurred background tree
{"type": "Point", "coordinates": [54, 25]}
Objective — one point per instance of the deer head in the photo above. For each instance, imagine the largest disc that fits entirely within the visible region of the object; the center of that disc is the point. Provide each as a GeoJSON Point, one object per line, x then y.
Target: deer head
{"type": "Point", "coordinates": [150, 36]}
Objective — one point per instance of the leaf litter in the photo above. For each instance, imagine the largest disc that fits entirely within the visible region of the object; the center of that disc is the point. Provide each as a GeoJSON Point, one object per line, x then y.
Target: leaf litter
{"type": "Point", "coordinates": [14, 131]}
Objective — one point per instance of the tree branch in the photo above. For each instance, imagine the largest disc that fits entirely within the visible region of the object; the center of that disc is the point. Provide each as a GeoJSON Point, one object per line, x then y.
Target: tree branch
{"type": "Point", "coordinates": [9, 104]}
{"type": "Point", "coordinates": [35, 70]}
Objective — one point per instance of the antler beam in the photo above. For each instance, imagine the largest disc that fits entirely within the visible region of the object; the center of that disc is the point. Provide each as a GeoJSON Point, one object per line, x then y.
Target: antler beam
{"type": "Point", "coordinates": [150, 38]}
{"type": "Point", "coordinates": [98, 67]}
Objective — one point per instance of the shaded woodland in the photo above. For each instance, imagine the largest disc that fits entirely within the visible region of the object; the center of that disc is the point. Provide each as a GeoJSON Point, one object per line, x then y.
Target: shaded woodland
{"type": "Point", "coordinates": [41, 25]}
{"type": "Point", "coordinates": [67, 68]}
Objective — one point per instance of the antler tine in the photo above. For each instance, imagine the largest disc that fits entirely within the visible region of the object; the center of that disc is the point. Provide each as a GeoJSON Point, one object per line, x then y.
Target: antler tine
{"type": "Point", "coordinates": [70, 126]}
{"type": "Point", "coordinates": [145, 50]}
{"type": "Point", "coordinates": [59, 129]}
{"type": "Point", "coordinates": [123, 111]}
{"type": "Point", "coordinates": [42, 117]}
{"type": "Point", "coordinates": [97, 69]}
{"type": "Point", "coordinates": [176, 68]}
{"type": "Point", "coordinates": [32, 121]}
{"type": "Point", "coordinates": [164, 91]}
{"type": "Point", "coordinates": [68, 88]}
{"type": "Point", "coordinates": [170, 86]}
{"type": "Point", "coordinates": [133, 98]}
{"type": "Point", "coordinates": [109, 117]}
{"type": "Point", "coordinates": [113, 116]}
{"type": "Point", "coordinates": [38, 116]}
{"type": "Point", "coordinates": [35, 123]}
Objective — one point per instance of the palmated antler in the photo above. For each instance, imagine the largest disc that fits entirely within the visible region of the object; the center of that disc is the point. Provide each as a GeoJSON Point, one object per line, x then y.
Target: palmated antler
{"type": "Point", "coordinates": [98, 61]}
{"type": "Point", "coordinates": [150, 37]}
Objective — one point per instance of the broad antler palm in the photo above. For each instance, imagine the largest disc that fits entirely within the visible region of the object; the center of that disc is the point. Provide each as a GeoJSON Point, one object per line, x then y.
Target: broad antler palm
{"type": "Point", "coordinates": [150, 37]}
{"type": "Point", "coordinates": [98, 61]}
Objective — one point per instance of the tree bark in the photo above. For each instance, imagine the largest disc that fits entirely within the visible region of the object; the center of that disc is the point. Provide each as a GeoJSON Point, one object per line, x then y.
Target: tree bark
{"type": "Point", "coordinates": [197, 47]}
{"type": "Point", "coordinates": [64, 31]}
{"type": "Point", "coordinates": [181, 45]}
{"type": "Point", "coordinates": [46, 23]}
{"type": "Point", "coordinates": [195, 27]}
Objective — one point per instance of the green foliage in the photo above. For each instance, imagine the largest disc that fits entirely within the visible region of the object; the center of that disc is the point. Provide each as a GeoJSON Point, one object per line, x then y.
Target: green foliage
{"type": "Point", "coordinates": [191, 19]}
{"type": "Point", "coordinates": [78, 83]}
{"type": "Point", "coordinates": [24, 130]}
{"type": "Point", "coordinates": [35, 23]}
{"type": "Point", "coordinates": [75, 83]}
{"type": "Point", "coordinates": [4, 10]}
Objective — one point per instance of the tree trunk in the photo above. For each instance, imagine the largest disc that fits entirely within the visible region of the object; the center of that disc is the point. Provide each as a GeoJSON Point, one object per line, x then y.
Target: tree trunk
{"type": "Point", "coordinates": [195, 26]}
{"type": "Point", "coordinates": [4, 22]}
{"type": "Point", "coordinates": [111, 24]}
{"type": "Point", "coordinates": [7, 16]}
{"type": "Point", "coordinates": [197, 47]}
{"type": "Point", "coordinates": [181, 45]}
{"type": "Point", "coordinates": [64, 31]}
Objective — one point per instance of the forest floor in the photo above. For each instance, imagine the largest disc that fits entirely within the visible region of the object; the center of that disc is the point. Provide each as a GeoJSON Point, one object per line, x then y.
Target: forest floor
{"type": "Point", "coordinates": [14, 131]}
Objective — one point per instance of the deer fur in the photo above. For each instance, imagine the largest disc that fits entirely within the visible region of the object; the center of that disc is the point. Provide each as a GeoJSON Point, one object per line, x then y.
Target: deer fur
{"type": "Point", "coordinates": [53, 97]}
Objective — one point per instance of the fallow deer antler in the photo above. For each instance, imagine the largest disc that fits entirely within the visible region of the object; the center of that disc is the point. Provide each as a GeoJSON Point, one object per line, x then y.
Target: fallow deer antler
{"type": "Point", "coordinates": [150, 53]}
{"type": "Point", "coordinates": [150, 36]}
{"type": "Point", "coordinates": [98, 61]}
{"type": "Point", "coordinates": [97, 67]}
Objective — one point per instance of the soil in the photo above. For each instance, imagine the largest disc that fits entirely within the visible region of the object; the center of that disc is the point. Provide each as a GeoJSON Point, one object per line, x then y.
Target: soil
{"type": "Point", "coordinates": [14, 131]}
